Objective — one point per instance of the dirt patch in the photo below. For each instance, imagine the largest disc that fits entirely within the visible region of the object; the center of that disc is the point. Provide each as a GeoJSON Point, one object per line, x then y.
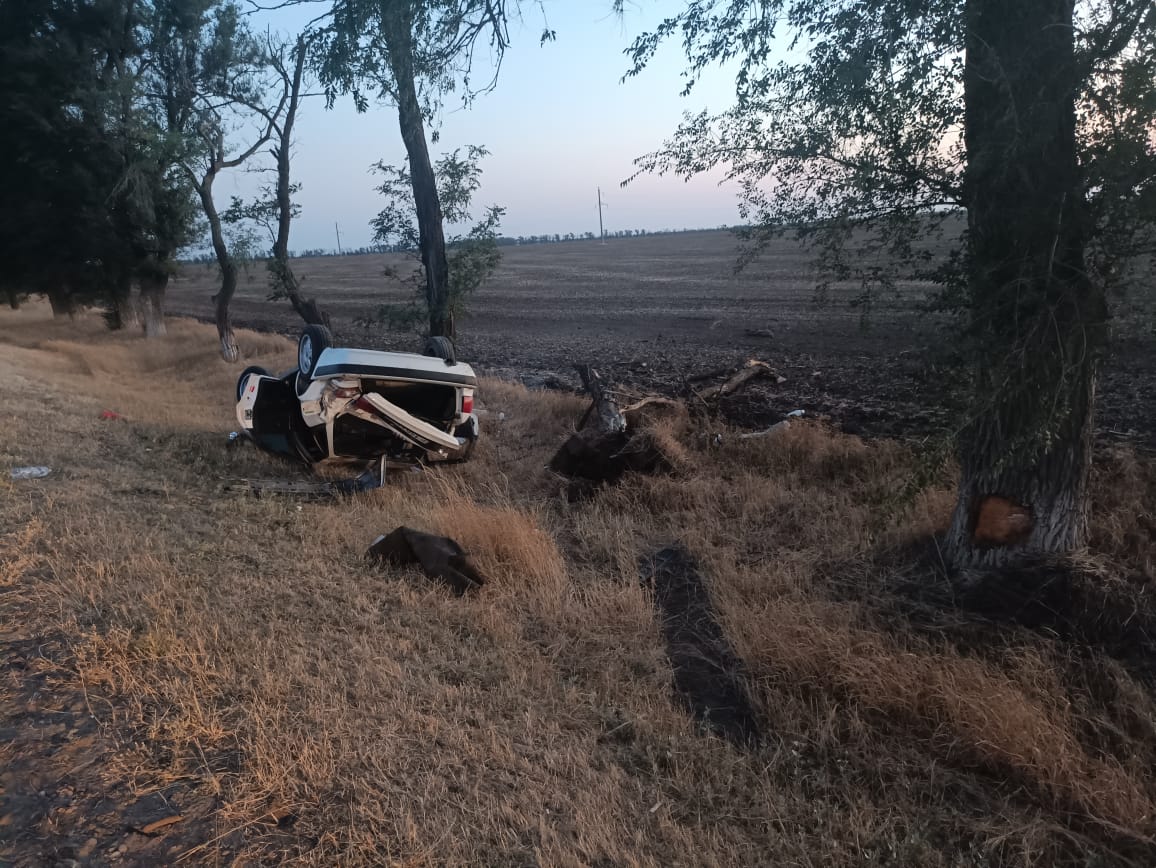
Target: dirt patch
{"type": "Point", "coordinates": [64, 799]}
{"type": "Point", "coordinates": [708, 674]}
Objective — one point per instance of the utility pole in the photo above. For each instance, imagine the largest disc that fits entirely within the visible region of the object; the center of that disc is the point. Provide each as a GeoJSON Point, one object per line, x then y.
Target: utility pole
{"type": "Point", "coordinates": [337, 229]}
{"type": "Point", "coordinates": [601, 231]}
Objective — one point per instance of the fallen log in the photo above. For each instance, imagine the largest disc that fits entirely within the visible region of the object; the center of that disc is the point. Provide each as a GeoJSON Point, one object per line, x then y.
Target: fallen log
{"type": "Point", "coordinates": [752, 370]}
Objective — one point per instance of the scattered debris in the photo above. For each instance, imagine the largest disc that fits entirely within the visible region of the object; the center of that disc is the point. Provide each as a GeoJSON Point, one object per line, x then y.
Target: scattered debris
{"type": "Point", "coordinates": [439, 556]}
{"type": "Point", "coordinates": [370, 479]}
{"type": "Point", "coordinates": [155, 826]}
{"type": "Point", "coordinates": [778, 426]}
{"type": "Point", "coordinates": [35, 472]}
{"type": "Point", "coordinates": [109, 414]}
{"type": "Point", "coordinates": [758, 333]}
{"type": "Point", "coordinates": [708, 674]}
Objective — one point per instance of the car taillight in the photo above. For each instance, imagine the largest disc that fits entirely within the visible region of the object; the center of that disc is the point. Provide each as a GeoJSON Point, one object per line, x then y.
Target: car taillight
{"type": "Point", "coordinates": [467, 402]}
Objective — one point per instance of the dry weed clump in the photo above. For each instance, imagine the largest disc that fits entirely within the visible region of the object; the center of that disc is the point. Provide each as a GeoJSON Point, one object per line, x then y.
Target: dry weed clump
{"type": "Point", "coordinates": [1124, 510]}
{"type": "Point", "coordinates": [341, 712]}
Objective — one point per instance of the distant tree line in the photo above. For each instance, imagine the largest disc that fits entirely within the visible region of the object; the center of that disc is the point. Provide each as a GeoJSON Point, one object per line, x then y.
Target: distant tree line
{"type": "Point", "coordinates": [500, 241]}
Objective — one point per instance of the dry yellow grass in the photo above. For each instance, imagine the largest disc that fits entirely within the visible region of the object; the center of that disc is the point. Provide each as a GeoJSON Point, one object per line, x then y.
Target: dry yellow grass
{"type": "Point", "coordinates": [248, 643]}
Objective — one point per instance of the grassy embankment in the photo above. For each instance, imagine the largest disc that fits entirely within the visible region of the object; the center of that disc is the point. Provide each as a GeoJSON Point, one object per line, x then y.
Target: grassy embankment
{"type": "Point", "coordinates": [246, 642]}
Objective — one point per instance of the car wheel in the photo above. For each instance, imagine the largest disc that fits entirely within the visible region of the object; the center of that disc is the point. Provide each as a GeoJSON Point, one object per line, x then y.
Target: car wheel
{"type": "Point", "coordinates": [252, 369]}
{"type": "Point", "coordinates": [440, 347]}
{"type": "Point", "coordinates": [312, 343]}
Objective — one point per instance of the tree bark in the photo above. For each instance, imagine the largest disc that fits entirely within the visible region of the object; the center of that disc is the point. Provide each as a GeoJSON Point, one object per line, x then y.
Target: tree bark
{"type": "Point", "coordinates": [431, 234]}
{"type": "Point", "coordinates": [284, 280]}
{"type": "Point", "coordinates": [152, 301]}
{"type": "Point", "coordinates": [606, 415]}
{"type": "Point", "coordinates": [62, 302]}
{"type": "Point", "coordinates": [1037, 321]}
{"type": "Point", "coordinates": [230, 352]}
{"type": "Point", "coordinates": [125, 311]}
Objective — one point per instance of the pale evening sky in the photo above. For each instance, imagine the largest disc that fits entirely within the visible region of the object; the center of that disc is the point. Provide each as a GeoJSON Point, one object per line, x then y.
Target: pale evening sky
{"type": "Point", "coordinates": [559, 124]}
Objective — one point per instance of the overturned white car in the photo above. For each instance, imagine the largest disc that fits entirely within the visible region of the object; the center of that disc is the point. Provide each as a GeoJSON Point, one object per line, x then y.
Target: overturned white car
{"type": "Point", "coordinates": [362, 404]}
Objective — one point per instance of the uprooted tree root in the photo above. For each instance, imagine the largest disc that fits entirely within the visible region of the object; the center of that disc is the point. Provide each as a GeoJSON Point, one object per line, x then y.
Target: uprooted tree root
{"type": "Point", "coordinates": [644, 437]}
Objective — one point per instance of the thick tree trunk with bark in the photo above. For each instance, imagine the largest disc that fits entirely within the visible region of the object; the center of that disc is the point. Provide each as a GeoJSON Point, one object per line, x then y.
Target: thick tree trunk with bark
{"type": "Point", "coordinates": [230, 352]}
{"type": "Point", "coordinates": [125, 310]}
{"type": "Point", "coordinates": [425, 192]}
{"type": "Point", "coordinates": [1037, 321]}
{"type": "Point", "coordinates": [62, 302]}
{"type": "Point", "coordinates": [153, 282]}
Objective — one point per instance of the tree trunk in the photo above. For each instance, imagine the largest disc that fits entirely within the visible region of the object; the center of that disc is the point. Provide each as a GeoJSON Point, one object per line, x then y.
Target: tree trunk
{"type": "Point", "coordinates": [63, 304]}
{"type": "Point", "coordinates": [230, 352]}
{"type": "Point", "coordinates": [284, 280]}
{"type": "Point", "coordinates": [1037, 322]}
{"type": "Point", "coordinates": [152, 301]}
{"type": "Point", "coordinates": [125, 311]}
{"type": "Point", "coordinates": [399, 31]}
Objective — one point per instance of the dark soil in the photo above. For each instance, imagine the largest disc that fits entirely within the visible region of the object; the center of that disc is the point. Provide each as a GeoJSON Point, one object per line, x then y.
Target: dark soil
{"type": "Point", "coordinates": [708, 674]}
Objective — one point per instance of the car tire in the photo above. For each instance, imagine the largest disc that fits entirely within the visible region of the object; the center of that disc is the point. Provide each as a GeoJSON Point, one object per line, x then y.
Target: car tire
{"type": "Point", "coordinates": [252, 369]}
{"type": "Point", "coordinates": [312, 343]}
{"type": "Point", "coordinates": [440, 347]}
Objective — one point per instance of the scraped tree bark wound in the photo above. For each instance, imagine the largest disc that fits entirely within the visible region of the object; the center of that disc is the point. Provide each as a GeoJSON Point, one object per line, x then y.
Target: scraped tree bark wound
{"type": "Point", "coordinates": [1037, 319]}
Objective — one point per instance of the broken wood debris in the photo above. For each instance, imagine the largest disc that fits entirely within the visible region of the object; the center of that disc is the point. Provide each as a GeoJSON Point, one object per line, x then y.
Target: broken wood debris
{"type": "Point", "coordinates": [642, 437]}
{"type": "Point", "coordinates": [606, 413]}
{"type": "Point", "coordinates": [155, 826]}
{"type": "Point", "coordinates": [751, 370]}
{"type": "Point", "coordinates": [605, 446]}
